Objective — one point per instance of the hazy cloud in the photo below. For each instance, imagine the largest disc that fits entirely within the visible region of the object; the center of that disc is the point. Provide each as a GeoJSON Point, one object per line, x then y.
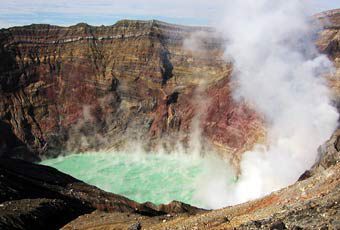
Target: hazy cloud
{"type": "Point", "coordinates": [66, 12]}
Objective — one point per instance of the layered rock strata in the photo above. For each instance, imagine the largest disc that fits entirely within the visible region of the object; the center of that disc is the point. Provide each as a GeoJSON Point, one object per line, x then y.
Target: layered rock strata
{"type": "Point", "coordinates": [84, 87]}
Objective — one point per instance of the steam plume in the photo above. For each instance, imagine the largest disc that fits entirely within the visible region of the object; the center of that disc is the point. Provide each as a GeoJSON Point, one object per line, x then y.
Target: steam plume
{"type": "Point", "coordinates": [279, 73]}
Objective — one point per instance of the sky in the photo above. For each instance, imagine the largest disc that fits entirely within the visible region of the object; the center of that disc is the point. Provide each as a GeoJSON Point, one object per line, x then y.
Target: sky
{"type": "Point", "coordinates": [107, 12]}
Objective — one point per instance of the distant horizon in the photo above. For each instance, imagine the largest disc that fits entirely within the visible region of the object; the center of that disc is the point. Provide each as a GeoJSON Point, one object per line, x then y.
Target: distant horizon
{"type": "Point", "coordinates": [123, 19]}
{"type": "Point", "coordinates": [107, 13]}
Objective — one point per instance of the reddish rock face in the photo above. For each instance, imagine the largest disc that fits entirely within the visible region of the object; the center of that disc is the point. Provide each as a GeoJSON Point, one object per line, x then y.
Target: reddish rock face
{"type": "Point", "coordinates": [231, 125]}
{"type": "Point", "coordinates": [85, 87]}
{"type": "Point", "coordinates": [329, 43]}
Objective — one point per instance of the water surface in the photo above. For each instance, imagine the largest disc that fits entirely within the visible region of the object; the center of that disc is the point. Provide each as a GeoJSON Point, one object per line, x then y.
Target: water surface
{"type": "Point", "coordinates": [159, 178]}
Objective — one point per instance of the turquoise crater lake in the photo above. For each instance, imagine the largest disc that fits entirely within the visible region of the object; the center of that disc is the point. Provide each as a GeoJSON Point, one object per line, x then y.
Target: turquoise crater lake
{"type": "Point", "coordinates": [159, 178]}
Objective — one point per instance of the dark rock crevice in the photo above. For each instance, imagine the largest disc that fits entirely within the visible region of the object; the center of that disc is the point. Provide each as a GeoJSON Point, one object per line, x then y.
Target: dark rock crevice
{"type": "Point", "coordinates": [166, 66]}
{"type": "Point", "coordinates": [41, 213]}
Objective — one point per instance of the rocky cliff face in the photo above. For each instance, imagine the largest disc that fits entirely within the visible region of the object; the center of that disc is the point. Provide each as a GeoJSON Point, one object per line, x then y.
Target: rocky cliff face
{"type": "Point", "coordinates": [329, 43]}
{"type": "Point", "coordinates": [83, 87]}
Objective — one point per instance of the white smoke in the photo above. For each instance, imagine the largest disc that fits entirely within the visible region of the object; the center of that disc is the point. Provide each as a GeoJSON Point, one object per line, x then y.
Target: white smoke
{"type": "Point", "coordinates": [279, 73]}
{"type": "Point", "coordinates": [200, 104]}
